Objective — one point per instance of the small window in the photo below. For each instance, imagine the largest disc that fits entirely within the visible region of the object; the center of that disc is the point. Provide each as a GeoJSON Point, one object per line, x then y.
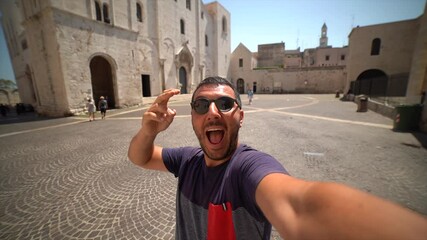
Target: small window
{"type": "Point", "coordinates": [188, 4]}
{"type": "Point", "coordinates": [105, 13]}
{"type": "Point", "coordinates": [224, 25]}
{"type": "Point", "coordinates": [343, 57]}
{"type": "Point", "coordinates": [206, 40]}
{"type": "Point", "coordinates": [138, 12]}
{"type": "Point", "coordinates": [98, 11]}
{"type": "Point", "coordinates": [240, 62]}
{"type": "Point", "coordinates": [182, 26]}
{"type": "Point", "coordinates": [327, 57]}
{"type": "Point", "coordinates": [376, 45]}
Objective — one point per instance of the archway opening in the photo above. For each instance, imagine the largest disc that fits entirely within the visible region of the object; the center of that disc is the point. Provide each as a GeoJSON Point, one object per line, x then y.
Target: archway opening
{"type": "Point", "coordinates": [240, 86]}
{"type": "Point", "coordinates": [372, 82]}
{"type": "Point", "coordinates": [102, 80]}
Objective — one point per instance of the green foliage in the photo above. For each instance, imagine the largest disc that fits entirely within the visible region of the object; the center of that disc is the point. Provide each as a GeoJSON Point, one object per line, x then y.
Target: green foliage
{"type": "Point", "coordinates": [7, 84]}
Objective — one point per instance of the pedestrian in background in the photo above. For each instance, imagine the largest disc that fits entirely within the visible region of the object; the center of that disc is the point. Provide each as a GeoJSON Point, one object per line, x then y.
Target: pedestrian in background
{"type": "Point", "coordinates": [250, 96]}
{"type": "Point", "coordinates": [103, 106]}
{"type": "Point", "coordinates": [91, 108]}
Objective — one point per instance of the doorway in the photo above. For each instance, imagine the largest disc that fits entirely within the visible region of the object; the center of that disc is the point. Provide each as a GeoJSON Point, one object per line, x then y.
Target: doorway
{"type": "Point", "coordinates": [183, 80]}
{"type": "Point", "coordinates": [146, 88]}
{"type": "Point", "coordinates": [102, 80]}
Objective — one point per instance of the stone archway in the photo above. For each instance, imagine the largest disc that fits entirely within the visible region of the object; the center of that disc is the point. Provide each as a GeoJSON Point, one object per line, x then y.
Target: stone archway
{"type": "Point", "coordinates": [372, 82]}
{"type": "Point", "coordinates": [102, 80]}
{"type": "Point", "coordinates": [184, 65]}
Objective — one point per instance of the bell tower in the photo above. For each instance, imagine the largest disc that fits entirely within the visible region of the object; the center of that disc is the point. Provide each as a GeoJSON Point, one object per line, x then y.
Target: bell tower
{"type": "Point", "coordinates": [323, 41]}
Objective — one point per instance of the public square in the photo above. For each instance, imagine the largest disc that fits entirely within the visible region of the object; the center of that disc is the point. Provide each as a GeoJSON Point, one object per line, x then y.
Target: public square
{"type": "Point", "coordinates": [68, 178]}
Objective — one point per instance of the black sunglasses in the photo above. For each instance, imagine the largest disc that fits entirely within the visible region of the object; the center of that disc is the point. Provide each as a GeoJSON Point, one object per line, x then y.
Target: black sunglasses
{"type": "Point", "coordinates": [224, 104]}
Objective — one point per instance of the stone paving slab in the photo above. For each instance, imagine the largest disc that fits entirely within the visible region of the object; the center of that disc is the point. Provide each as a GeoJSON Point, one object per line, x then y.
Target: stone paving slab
{"type": "Point", "coordinates": [71, 179]}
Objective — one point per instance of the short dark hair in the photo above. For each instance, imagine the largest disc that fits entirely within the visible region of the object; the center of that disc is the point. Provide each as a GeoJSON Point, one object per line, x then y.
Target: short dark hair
{"type": "Point", "coordinates": [218, 81]}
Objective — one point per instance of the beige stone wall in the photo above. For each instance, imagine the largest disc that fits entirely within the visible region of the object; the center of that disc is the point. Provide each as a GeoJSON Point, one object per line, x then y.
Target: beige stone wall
{"type": "Point", "coordinates": [334, 55]}
{"type": "Point", "coordinates": [302, 80]}
{"type": "Point", "coordinates": [397, 46]}
{"type": "Point", "coordinates": [271, 54]}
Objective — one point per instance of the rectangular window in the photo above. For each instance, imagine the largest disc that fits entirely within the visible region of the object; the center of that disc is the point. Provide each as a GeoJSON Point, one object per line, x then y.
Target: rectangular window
{"type": "Point", "coordinates": [188, 4]}
{"type": "Point", "coordinates": [327, 57]}
{"type": "Point", "coordinates": [342, 57]}
{"type": "Point", "coordinates": [240, 62]}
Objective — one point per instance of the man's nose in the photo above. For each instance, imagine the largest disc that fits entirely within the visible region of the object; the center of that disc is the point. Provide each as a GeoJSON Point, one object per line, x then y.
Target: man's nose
{"type": "Point", "coordinates": [213, 111]}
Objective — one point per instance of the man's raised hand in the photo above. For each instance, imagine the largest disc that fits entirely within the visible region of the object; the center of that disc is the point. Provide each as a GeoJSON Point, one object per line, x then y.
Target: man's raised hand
{"type": "Point", "coordinates": [159, 116]}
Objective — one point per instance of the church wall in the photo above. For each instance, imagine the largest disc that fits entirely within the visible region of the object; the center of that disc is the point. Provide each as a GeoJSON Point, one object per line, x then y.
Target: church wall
{"type": "Point", "coordinates": [45, 64]}
{"type": "Point", "coordinates": [222, 38]}
{"type": "Point", "coordinates": [207, 52]}
{"type": "Point", "coordinates": [90, 39]}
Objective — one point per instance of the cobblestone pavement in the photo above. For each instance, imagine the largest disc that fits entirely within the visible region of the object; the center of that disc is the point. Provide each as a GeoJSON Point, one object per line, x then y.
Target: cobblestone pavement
{"type": "Point", "coordinates": [69, 178]}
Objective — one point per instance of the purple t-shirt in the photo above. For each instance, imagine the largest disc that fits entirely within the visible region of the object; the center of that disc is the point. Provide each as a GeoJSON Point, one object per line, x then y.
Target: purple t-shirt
{"type": "Point", "coordinates": [220, 201]}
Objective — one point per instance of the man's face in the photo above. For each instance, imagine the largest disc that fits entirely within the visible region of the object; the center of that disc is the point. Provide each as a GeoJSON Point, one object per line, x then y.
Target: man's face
{"type": "Point", "coordinates": [217, 131]}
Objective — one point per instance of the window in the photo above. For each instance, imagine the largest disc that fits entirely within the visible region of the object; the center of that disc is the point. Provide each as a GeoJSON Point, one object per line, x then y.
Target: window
{"type": "Point", "coordinates": [375, 48]}
{"type": "Point", "coordinates": [202, 15]}
{"type": "Point", "coordinates": [240, 62]}
{"type": "Point", "coordinates": [182, 26]}
{"type": "Point", "coordinates": [105, 13]}
{"type": "Point", "coordinates": [98, 11]}
{"type": "Point", "coordinates": [206, 40]}
{"type": "Point", "coordinates": [343, 57]}
{"type": "Point", "coordinates": [138, 12]}
{"type": "Point", "coordinates": [224, 25]}
{"type": "Point", "coordinates": [327, 57]}
{"type": "Point", "coordinates": [188, 4]}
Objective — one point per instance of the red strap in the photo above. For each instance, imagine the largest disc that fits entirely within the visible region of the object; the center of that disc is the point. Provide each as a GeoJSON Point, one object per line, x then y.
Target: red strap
{"type": "Point", "coordinates": [220, 222]}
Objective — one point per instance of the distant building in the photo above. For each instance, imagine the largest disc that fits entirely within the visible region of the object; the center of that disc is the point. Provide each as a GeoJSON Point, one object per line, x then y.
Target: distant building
{"type": "Point", "coordinates": [65, 51]}
{"type": "Point", "coordinates": [273, 69]}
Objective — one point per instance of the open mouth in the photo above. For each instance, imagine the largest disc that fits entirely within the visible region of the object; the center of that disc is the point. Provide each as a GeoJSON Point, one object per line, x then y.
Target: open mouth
{"type": "Point", "coordinates": [215, 136]}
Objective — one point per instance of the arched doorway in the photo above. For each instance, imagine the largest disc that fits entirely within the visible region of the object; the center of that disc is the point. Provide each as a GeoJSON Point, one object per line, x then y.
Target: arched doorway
{"type": "Point", "coordinates": [102, 80]}
{"type": "Point", "coordinates": [240, 86]}
{"type": "Point", "coordinates": [183, 80]}
{"type": "Point", "coordinates": [372, 82]}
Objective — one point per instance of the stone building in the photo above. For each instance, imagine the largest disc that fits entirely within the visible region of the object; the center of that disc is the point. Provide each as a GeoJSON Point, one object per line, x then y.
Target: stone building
{"type": "Point", "coordinates": [388, 62]}
{"type": "Point", "coordinates": [273, 69]}
{"type": "Point", "coordinates": [65, 51]}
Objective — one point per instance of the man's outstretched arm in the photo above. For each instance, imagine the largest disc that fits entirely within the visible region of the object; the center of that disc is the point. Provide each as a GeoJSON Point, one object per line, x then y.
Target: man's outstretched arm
{"type": "Point", "coordinates": [157, 118]}
{"type": "Point", "coordinates": [313, 210]}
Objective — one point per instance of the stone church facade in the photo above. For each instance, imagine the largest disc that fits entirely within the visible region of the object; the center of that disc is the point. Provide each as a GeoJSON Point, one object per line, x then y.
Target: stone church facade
{"type": "Point", "coordinates": [64, 52]}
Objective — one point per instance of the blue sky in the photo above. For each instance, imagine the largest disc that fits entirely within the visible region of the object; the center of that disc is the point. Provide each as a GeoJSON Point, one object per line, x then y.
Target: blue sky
{"type": "Point", "coordinates": [295, 22]}
{"type": "Point", "coordinates": [298, 22]}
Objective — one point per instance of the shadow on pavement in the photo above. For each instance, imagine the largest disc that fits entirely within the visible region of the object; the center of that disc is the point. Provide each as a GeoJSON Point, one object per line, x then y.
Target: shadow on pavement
{"type": "Point", "coordinates": [421, 137]}
{"type": "Point", "coordinates": [24, 117]}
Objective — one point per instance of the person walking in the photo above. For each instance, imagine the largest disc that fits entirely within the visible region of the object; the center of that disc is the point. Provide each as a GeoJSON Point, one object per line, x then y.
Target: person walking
{"type": "Point", "coordinates": [228, 190]}
{"type": "Point", "coordinates": [103, 106]}
{"type": "Point", "coordinates": [91, 108]}
{"type": "Point", "coordinates": [250, 96]}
